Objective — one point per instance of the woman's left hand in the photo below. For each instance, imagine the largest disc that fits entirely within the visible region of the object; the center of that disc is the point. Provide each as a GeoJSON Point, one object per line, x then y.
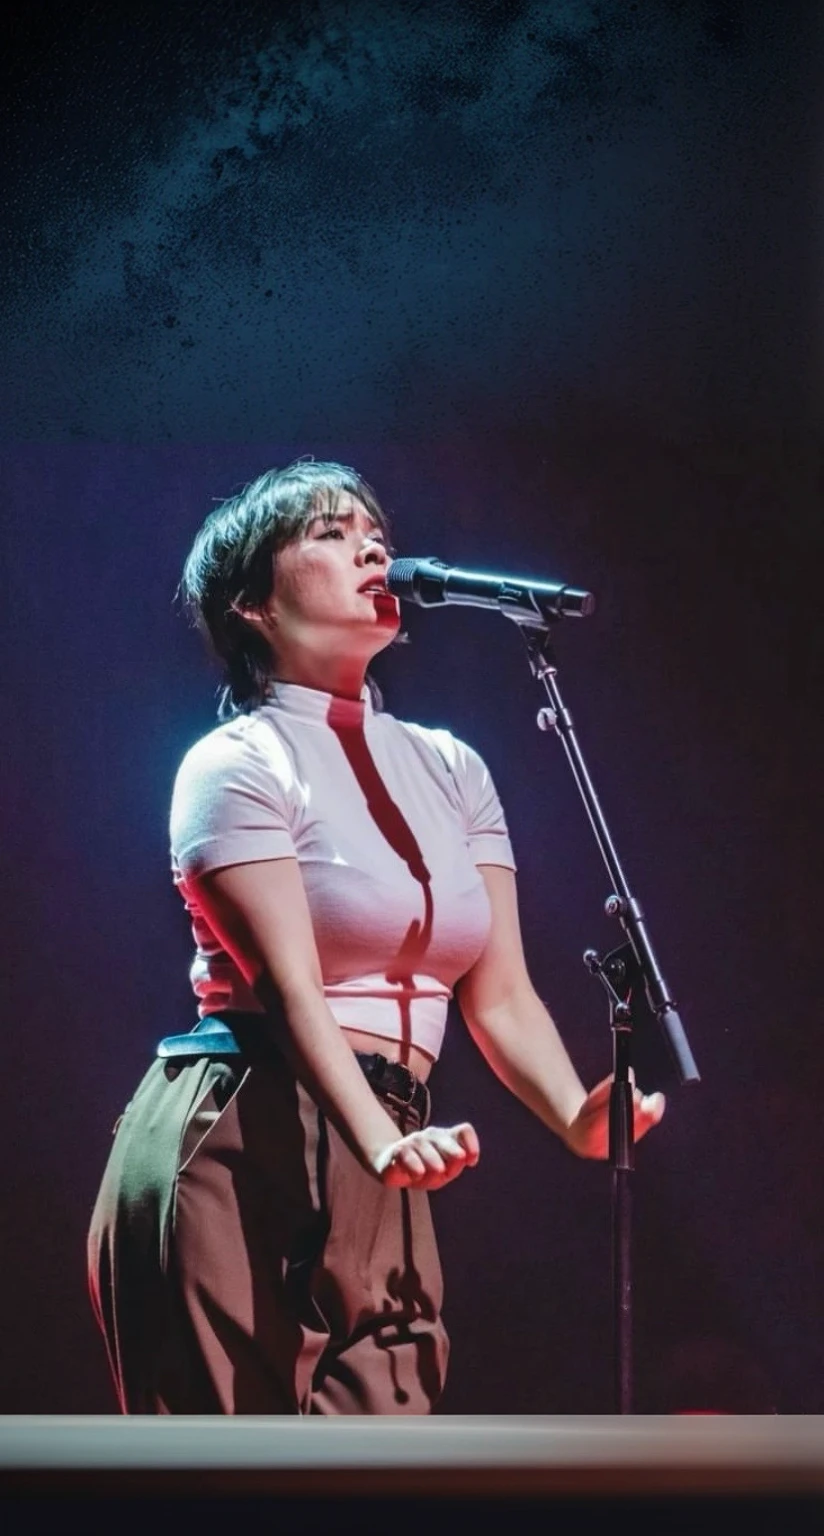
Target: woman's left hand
{"type": "Point", "coordinates": [588, 1134]}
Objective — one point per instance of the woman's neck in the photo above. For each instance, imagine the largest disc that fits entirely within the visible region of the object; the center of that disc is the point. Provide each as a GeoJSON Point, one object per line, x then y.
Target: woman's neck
{"type": "Point", "coordinates": [344, 681]}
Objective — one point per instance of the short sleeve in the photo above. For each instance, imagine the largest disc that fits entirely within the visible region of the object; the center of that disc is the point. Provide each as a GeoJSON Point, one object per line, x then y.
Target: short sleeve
{"type": "Point", "coordinates": [486, 829]}
{"type": "Point", "coordinates": [232, 802]}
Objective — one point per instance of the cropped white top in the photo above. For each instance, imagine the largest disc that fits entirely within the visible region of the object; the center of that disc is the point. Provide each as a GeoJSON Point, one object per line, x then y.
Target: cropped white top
{"type": "Point", "coordinates": [389, 823]}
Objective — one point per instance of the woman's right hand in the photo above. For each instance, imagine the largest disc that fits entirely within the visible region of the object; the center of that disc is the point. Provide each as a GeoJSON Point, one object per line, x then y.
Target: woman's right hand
{"type": "Point", "coordinates": [428, 1159]}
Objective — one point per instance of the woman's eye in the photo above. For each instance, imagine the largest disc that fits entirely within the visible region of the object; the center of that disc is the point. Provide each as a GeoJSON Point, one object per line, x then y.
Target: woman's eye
{"type": "Point", "coordinates": [332, 533]}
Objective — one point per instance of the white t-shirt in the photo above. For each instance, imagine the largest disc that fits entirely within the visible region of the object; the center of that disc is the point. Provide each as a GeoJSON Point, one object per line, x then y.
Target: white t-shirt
{"type": "Point", "coordinates": [388, 821]}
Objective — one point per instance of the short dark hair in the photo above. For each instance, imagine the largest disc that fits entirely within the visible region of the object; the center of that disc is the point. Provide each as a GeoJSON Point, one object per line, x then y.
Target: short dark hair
{"type": "Point", "coordinates": [231, 564]}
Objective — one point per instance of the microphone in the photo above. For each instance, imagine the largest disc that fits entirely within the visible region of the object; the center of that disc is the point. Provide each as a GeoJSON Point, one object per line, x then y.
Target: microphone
{"type": "Point", "coordinates": [430, 581]}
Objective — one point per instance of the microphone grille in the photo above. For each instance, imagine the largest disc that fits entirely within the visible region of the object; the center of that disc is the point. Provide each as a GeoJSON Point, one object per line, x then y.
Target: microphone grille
{"type": "Point", "coordinates": [400, 576]}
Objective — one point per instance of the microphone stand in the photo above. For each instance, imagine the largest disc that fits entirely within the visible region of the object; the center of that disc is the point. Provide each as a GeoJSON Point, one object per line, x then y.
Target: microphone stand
{"type": "Point", "coordinates": [622, 973]}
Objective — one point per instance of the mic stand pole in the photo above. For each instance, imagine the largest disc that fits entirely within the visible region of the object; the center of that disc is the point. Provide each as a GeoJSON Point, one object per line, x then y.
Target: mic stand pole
{"type": "Point", "coordinates": [620, 973]}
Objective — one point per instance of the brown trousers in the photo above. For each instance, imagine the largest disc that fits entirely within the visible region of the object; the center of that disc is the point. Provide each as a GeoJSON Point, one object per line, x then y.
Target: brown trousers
{"type": "Point", "coordinates": [241, 1261]}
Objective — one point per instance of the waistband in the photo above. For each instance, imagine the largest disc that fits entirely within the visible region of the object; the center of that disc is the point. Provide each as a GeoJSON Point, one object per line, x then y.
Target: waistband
{"type": "Point", "coordinates": [212, 1036]}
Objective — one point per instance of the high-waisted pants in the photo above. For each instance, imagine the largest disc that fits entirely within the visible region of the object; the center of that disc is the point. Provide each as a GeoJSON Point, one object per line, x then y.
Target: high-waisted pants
{"type": "Point", "coordinates": [241, 1261]}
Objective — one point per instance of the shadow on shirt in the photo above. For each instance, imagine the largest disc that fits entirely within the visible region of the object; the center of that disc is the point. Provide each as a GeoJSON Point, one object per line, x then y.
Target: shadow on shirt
{"type": "Point", "coordinates": [391, 822]}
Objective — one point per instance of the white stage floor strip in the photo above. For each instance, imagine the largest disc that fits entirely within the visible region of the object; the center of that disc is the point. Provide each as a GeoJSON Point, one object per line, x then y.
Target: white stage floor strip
{"type": "Point", "coordinates": [465, 1455]}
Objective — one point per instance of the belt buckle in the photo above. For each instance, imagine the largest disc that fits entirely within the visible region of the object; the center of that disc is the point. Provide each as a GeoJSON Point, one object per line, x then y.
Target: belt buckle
{"type": "Point", "coordinates": [382, 1075]}
{"type": "Point", "coordinates": [401, 1099]}
{"type": "Point", "coordinates": [411, 1081]}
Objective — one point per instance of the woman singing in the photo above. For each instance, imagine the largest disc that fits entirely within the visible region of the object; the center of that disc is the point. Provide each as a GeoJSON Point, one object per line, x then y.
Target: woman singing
{"type": "Point", "coordinates": [262, 1240]}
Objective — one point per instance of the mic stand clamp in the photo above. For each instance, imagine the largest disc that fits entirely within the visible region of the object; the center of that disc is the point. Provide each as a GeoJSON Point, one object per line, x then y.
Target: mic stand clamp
{"type": "Point", "coordinates": [612, 971]}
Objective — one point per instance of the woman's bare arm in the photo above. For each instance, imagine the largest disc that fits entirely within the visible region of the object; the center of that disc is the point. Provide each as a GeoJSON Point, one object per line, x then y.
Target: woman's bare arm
{"type": "Point", "coordinates": [260, 915]}
{"type": "Point", "coordinates": [516, 1034]}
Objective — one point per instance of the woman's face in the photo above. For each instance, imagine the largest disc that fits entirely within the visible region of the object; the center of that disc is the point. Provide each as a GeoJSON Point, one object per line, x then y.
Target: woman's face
{"type": "Point", "coordinates": [329, 600]}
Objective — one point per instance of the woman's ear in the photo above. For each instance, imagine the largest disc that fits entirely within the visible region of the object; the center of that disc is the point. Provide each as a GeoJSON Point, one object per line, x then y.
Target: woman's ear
{"type": "Point", "coordinates": [257, 617]}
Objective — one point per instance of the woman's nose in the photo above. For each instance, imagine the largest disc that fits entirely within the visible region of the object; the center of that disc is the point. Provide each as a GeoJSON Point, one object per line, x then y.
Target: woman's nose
{"type": "Point", "coordinates": [374, 551]}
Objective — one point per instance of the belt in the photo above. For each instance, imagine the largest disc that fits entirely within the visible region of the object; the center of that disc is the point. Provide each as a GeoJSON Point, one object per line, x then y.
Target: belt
{"type": "Point", "coordinates": [395, 1084]}
{"type": "Point", "coordinates": [390, 1081]}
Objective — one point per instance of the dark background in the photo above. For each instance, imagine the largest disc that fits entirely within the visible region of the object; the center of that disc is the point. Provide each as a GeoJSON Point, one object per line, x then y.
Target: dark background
{"type": "Point", "coordinates": [547, 275]}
